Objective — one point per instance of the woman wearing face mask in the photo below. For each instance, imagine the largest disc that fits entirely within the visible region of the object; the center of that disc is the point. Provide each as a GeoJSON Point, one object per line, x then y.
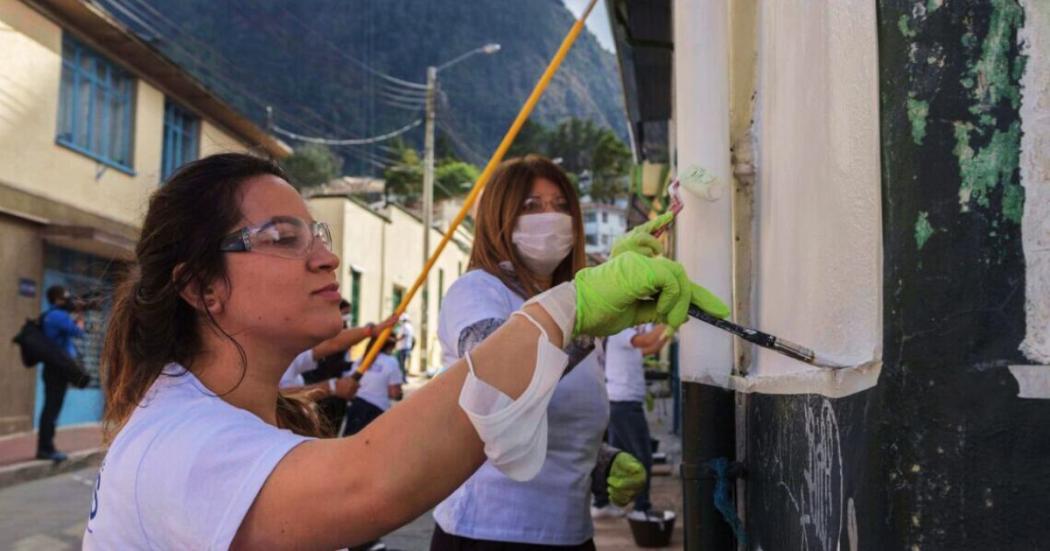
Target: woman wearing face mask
{"type": "Point", "coordinates": [528, 238]}
{"type": "Point", "coordinates": [232, 279]}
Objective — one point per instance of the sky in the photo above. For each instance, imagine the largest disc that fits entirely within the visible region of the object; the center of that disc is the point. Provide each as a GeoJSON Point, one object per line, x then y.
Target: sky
{"type": "Point", "coordinates": [597, 23]}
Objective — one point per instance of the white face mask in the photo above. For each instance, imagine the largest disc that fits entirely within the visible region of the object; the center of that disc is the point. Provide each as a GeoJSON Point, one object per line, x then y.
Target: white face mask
{"type": "Point", "coordinates": [543, 240]}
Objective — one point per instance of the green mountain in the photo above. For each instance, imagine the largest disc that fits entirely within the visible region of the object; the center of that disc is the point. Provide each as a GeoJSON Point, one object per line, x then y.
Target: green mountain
{"type": "Point", "coordinates": [341, 68]}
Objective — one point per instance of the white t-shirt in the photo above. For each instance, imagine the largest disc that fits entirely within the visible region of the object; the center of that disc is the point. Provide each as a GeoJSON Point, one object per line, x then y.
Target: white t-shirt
{"type": "Point", "coordinates": [406, 337]}
{"type": "Point", "coordinates": [183, 471]}
{"type": "Point", "coordinates": [554, 507]}
{"type": "Point", "coordinates": [293, 376]}
{"type": "Point", "coordinates": [377, 380]}
{"type": "Point", "coordinates": [624, 371]}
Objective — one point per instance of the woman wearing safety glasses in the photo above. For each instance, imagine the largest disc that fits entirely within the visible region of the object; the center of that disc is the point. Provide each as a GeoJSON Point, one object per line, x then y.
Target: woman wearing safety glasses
{"type": "Point", "coordinates": [231, 280]}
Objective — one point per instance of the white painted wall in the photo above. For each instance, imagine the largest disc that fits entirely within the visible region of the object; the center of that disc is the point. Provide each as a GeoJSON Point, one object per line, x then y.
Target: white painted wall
{"type": "Point", "coordinates": [609, 223]}
{"type": "Point", "coordinates": [818, 200]}
{"type": "Point", "coordinates": [818, 273]}
{"type": "Point", "coordinates": [703, 231]}
{"type": "Point", "coordinates": [1035, 176]}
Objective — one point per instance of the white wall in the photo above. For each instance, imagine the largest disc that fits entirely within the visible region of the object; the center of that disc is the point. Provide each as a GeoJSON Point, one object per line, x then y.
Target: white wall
{"type": "Point", "coordinates": [818, 200]}
{"type": "Point", "coordinates": [1035, 175]}
{"type": "Point", "coordinates": [818, 271]}
{"type": "Point", "coordinates": [701, 112]}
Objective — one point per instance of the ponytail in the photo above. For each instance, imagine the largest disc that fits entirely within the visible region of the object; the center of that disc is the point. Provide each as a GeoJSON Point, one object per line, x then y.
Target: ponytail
{"type": "Point", "coordinates": [151, 325]}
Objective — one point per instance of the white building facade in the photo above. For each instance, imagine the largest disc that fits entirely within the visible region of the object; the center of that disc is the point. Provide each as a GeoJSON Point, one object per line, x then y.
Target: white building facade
{"type": "Point", "coordinates": [602, 224]}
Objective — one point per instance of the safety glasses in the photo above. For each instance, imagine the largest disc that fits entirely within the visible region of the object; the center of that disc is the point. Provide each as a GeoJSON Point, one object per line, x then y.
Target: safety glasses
{"type": "Point", "coordinates": [536, 205]}
{"type": "Point", "coordinates": [283, 236]}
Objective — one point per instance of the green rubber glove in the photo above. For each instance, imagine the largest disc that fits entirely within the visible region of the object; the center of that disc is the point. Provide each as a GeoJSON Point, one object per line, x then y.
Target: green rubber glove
{"type": "Point", "coordinates": [631, 289]}
{"type": "Point", "coordinates": [640, 240]}
{"type": "Point", "coordinates": [626, 479]}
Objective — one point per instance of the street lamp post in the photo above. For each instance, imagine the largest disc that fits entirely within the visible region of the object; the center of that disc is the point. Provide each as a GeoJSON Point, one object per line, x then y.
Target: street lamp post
{"type": "Point", "coordinates": [428, 184]}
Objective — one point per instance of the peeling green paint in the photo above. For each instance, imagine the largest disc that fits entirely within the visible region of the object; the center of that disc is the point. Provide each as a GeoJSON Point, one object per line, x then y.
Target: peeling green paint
{"type": "Point", "coordinates": [933, 5]}
{"type": "Point", "coordinates": [992, 71]}
{"type": "Point", "coordinates": [918, 110]}
{"type": "Point", "coordinates": [1013, 203]}
{"type": "Point", "coordinates": [969, 40]}
{"type": "Point", "coordinates": [904, 24]}
{"type": "Point", "coordinates": [923, 229]}
{"type": "Point", "coordinates": [1020, 62]}
{"type": "Point", "coordinates": [988, 156]}
{"type": "Point", "coordinates": [992, 165]}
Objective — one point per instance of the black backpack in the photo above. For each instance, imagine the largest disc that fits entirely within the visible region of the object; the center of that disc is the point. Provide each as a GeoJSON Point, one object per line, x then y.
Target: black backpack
{"type": "Point", "coordinates": [36, 347]}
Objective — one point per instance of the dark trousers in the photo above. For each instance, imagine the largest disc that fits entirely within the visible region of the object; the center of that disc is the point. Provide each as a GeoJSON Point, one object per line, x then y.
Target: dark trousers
{"type": "Point", "coordinates": [443, 541]}
{"type": "Point", "coordinates": [55, 384]}
{"type": "Point", "coordinates": [629, 431]}
{"type": "Point", "coordinates": [403, 356]}
{"type": "Point", "coordinates": [359, 414]}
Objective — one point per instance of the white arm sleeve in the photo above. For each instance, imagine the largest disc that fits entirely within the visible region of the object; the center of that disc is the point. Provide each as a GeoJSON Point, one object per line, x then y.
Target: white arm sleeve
{"type": "Point", "coordinates": [560, 303]}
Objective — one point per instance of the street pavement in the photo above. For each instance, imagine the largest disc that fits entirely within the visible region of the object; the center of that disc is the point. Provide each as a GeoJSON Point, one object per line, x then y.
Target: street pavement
{"type": "Point", "coordinates": [47, 514]}
{"type": "Point", "coordinates": [50, 514]}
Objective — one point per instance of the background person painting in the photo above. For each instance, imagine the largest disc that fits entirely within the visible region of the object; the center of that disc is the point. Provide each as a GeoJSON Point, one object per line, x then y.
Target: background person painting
{"type": "Point", "coordinates": [406, 339]}
{"type": "Point", "coordinates": [378, 386]}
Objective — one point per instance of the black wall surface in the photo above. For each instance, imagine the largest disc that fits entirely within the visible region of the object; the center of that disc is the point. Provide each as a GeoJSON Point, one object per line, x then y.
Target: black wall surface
{"type": "Point", "coordinates": [941, 454]}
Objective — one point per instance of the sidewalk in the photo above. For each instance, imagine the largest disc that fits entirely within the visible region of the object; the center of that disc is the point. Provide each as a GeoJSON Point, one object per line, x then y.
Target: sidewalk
{"type": "Point", "coordinates": [83, 444]}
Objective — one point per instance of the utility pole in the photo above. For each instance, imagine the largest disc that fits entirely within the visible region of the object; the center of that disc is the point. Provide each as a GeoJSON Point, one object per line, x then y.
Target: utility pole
{"type": "Point", "coordinates": [428, 184]}
{"type": "Point", "coordinates": [428, 208]}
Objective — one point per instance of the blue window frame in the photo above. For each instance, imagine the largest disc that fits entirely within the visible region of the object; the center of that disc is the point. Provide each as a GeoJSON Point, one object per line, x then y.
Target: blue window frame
{"type": "Point", "coordinates": [96, 106]}
{"type": "Point", "coordinates": [181, 129]}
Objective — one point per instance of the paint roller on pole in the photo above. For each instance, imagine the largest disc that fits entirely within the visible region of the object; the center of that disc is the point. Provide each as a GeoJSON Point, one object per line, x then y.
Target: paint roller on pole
{"type": "Point", "coordinates": [704, 183]}
{"type": "Point", "coordinates": [486, 174]}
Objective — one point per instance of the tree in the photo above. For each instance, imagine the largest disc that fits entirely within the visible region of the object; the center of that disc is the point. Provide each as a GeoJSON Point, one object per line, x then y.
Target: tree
{"type": "Point", "coordinates": [453, 178]}
{"type": "Point", "coordinates": [582, 146]}
{"type": "Point", "coordinates": [312, 165]}
{"type": "Point", "coordinates": [532, 138]}
{"type": "Point", "coordinates": [405, 176]}
{"type": "Point", "coordinates": [611, 164]}
{"type": "Point", "coordinates": [573, 140]}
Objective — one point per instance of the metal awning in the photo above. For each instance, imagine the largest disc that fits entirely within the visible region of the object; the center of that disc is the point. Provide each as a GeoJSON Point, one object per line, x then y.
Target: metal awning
{"type": "Point", "coordinates": [645, 47]}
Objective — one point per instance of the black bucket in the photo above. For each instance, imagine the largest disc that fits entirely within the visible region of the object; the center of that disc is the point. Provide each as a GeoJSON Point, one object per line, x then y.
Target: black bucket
{"type": "Point", "coordinates": [652, 529]}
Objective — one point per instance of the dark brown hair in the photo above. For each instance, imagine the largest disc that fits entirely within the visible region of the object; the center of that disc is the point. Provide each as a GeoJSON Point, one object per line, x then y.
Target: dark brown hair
{"type": "Point", "coordinates": [151, 324]}
{"type": "Point", "coordinates": [498, 211]}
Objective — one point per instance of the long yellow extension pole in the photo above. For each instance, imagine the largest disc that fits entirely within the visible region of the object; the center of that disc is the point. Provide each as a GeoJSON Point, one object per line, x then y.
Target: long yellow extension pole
{"type": "Point", "coordinates": [483, 180]}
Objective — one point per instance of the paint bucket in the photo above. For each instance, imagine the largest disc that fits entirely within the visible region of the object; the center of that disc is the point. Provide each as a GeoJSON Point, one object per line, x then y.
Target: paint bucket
{"type": "Point", "coordinates": [652, 528]}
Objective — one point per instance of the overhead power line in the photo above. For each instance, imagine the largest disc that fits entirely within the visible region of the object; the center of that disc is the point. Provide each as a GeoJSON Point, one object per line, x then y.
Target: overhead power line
{"type": "Point", "coordinates": [348, 141]}
{"type": "Point", "coordinates": [342, 53]}
{"type": "Point", "coordinates": [215, 80]}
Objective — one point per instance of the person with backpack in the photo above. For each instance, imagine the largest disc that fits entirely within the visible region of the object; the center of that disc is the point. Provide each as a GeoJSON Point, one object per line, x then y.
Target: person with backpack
{"type": "Point", "coordinates": [61, 326]}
